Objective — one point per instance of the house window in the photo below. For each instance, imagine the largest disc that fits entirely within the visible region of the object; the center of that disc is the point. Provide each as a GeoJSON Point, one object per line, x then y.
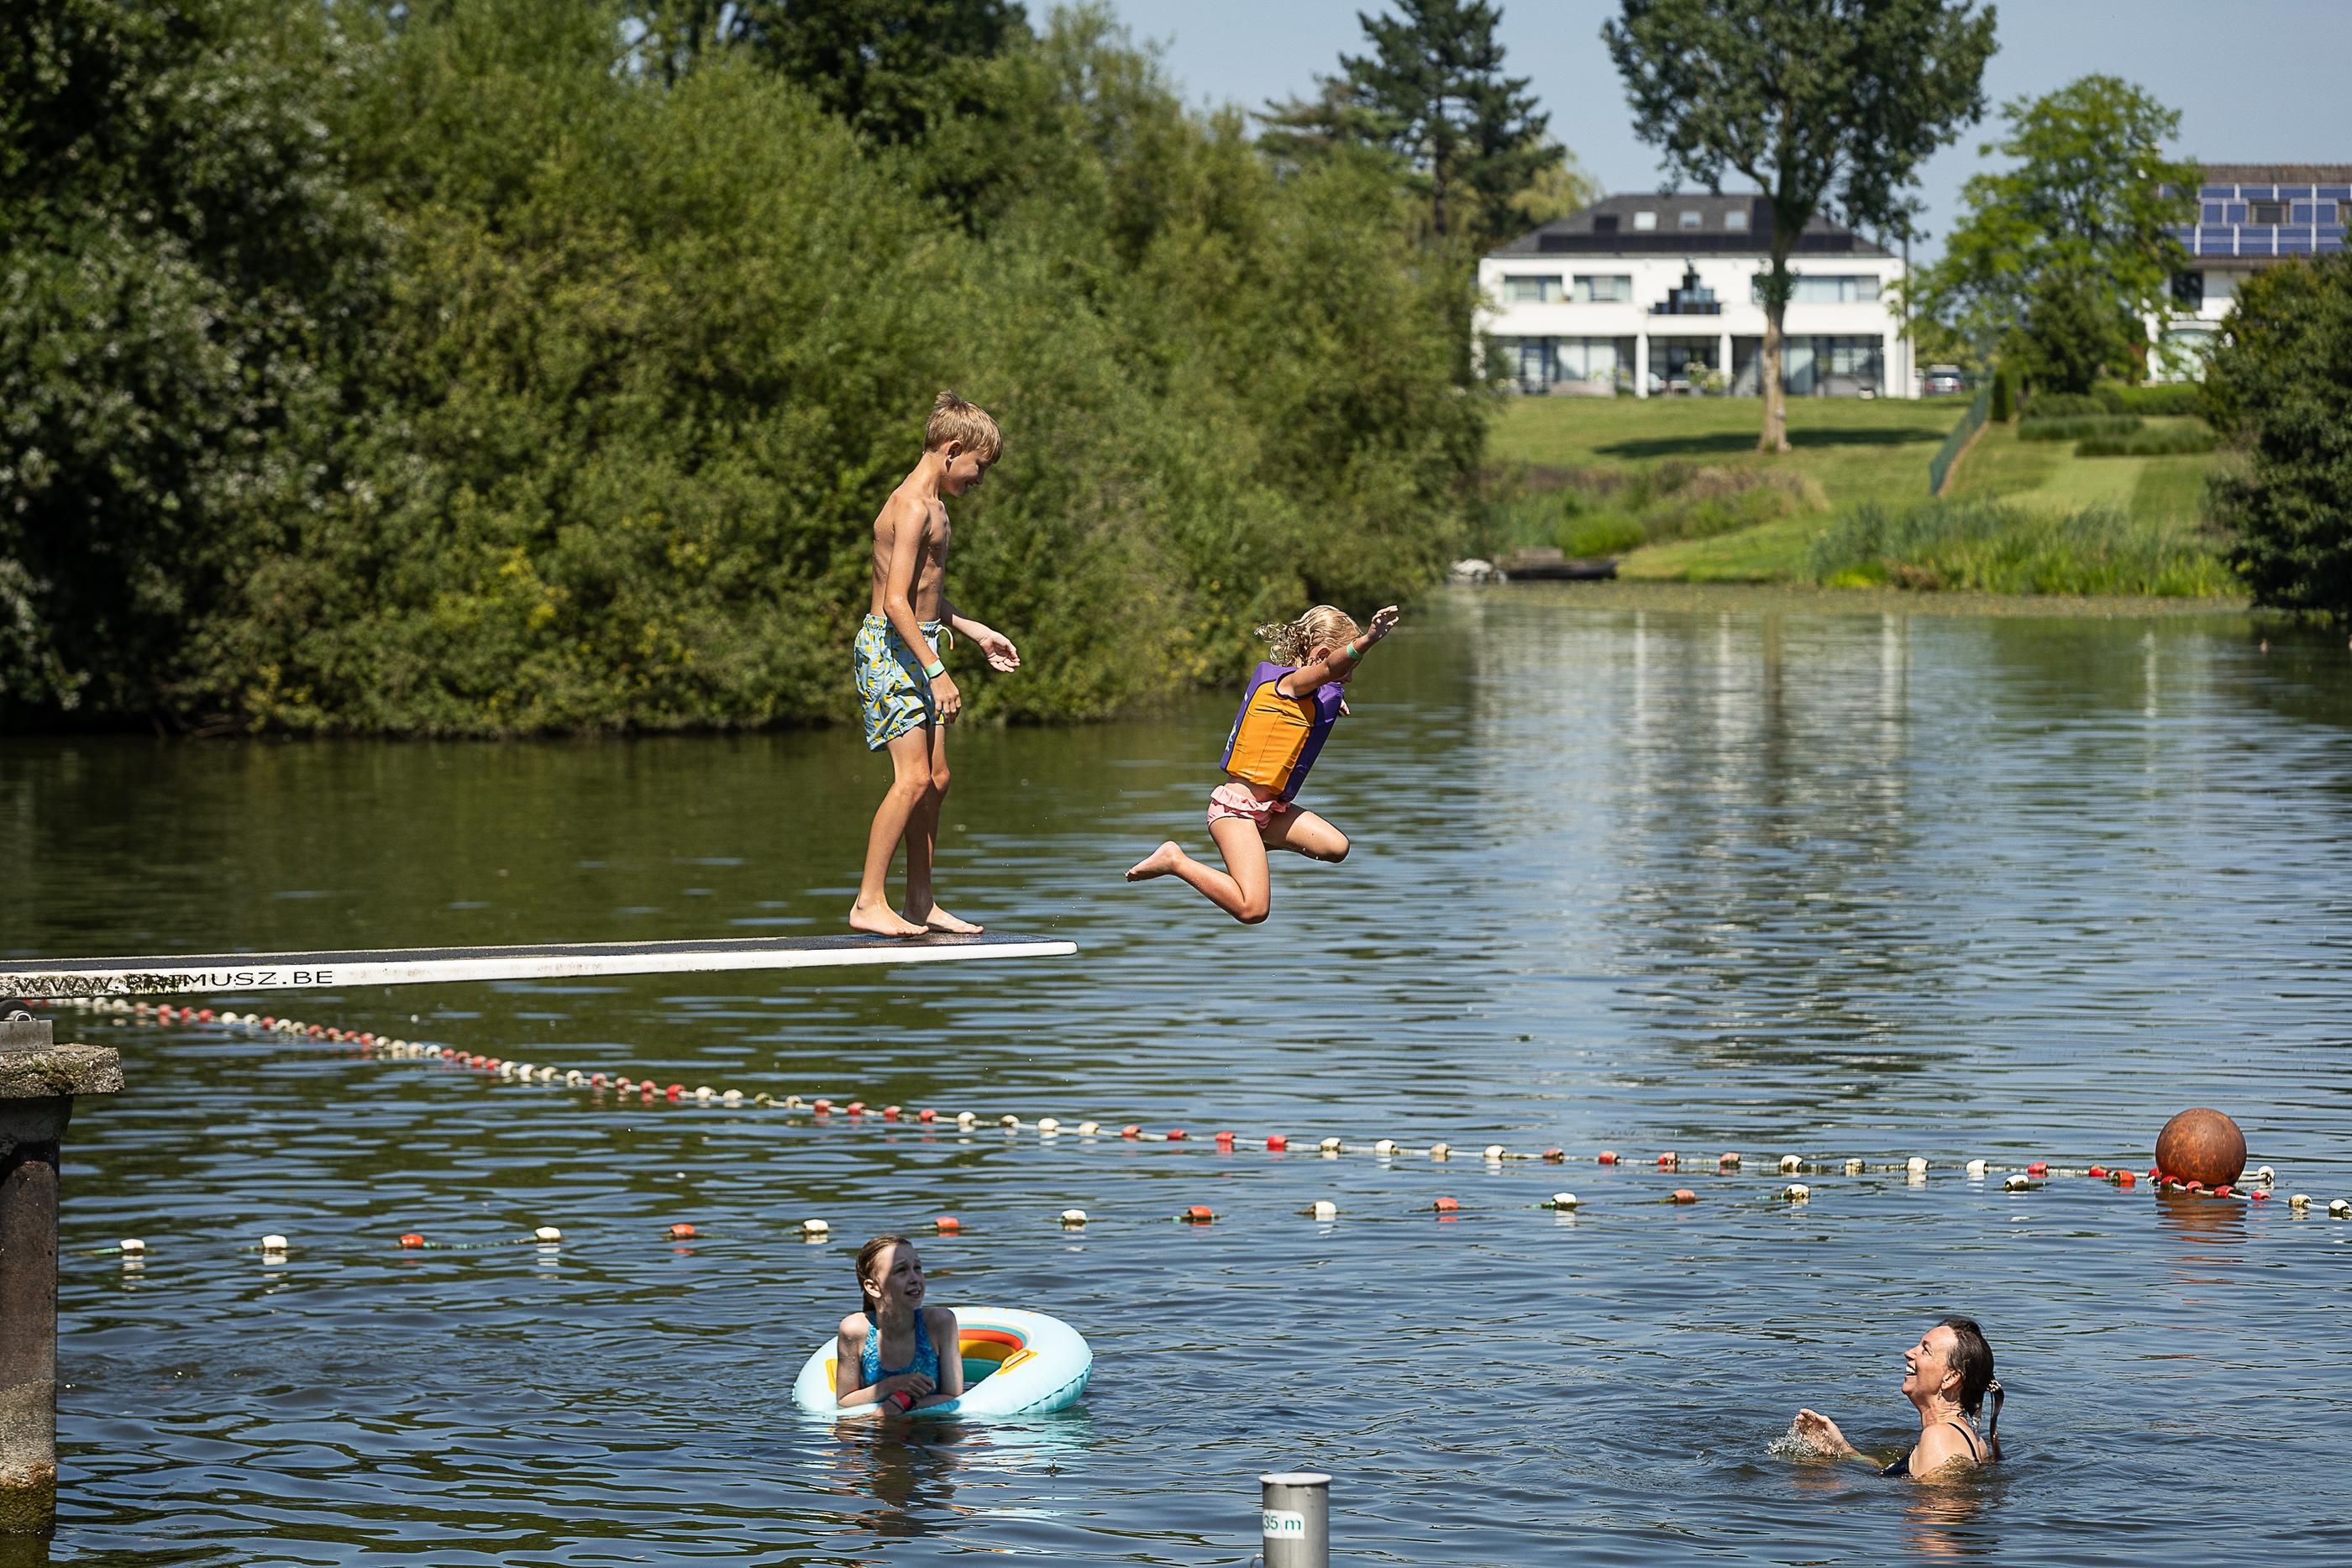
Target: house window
{"type": "Point", "coordinates": [1531, 290]}
{"type": "Point", "coordinates": [1824, 288]}
{"type": "Point", "coordinates": [1603, 288]}
{"type": "Point", "coordinates": [1605, 223]}
{"type": "Point", "coordinates": [2188, 290]}
{"type": "Point", "coordinates": [2344, 211]}
{"type": "Point", "coordinates": [1736, 222]}
{"type": "Point", "coordinates": [1645, 221]}
{"type": "Point", "coordinates": [1688, 220]}
{"type": "Point", "coordinates": [2266, 213]}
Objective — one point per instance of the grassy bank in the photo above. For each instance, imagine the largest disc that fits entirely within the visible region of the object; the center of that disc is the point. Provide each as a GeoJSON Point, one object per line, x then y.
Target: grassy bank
{"type": "Point", "coordinates": [2026, 516]}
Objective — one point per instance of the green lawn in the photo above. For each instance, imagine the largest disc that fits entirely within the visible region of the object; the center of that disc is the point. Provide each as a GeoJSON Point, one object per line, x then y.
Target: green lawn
{"type": "Point", "coordinates": [1857, 450]}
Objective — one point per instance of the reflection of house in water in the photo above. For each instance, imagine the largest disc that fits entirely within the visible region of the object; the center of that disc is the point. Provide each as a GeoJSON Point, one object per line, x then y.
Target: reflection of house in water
{"type": "Point", "coordinates": [1656, 294]}
{"type": "Point", "coordinates": [2249, 216]}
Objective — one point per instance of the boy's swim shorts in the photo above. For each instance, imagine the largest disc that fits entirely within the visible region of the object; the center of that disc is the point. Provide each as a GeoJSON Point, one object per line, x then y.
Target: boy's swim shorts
{"type": "Point", "coordinates": [891, 691]}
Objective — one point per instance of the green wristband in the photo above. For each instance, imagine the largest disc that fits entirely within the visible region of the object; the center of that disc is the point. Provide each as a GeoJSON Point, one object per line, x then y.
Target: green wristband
{"type": "Point", "coordinates": [1353, 655]}
{"type": "Point", "coordinates": [935, 669]}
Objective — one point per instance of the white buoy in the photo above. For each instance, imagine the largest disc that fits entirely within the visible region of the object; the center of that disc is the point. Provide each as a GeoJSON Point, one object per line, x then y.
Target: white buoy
{"type": "Point", "coordinates": [2339, 1209]}
{"type": "Point", "coordinates": [1326, 1209]}
{"type": "Point", "coordinates": [1048, 1126]}
{"type": "Point", "coordinates": [1331, 1146]}
{"type": "Point", "coordinates": [1074, 1216]}
{"type": "Point", "coordinates": [1563, 1200]}
{"type": "Point", "coordinates": [1976, 1167]}
{"type": "Point", "coordinates": [732, 1097]}
{"type": "Point", "coordinates": [1792, 1164]}
{"type": "Point", "coordinates": [2018, 1182]}
{"type": "Point", "coordinates": [1385, 1146]}
{"type": "Point", "coordinates": [1797, 1192]}
{"type": "Point", "coordinates": [2299, 1200]}
{"type": "Point", "coordinates": [795, 1102]}
{"type": "Point", "coordinates": [2264, 1175]}
{"type": "Point", "coordinates": [1088, 1129]}
{"type": "Point", "coordinates": [1495, 1153]}
{"type": "Point", "coordinates": [1855, 1166]}
{"type": "Point", "coordinates": [1917, 1164]}
{"type": "Point", "coordinates": [703, 1093]}
{"type": "Point", "coordinates": [134, 1244]}
{"type": "Point", "coordinates": [1009, 1122]}
{"type": "Point", "coordinates": [815, 1227]}
{"type": "Point", "coordinates": [273, 1244]}
{"type": "Point", "coordinates": [1441, 1151]}
{"type": "Point", "coordinates": [966, 1119]}
{"type": "Point", "coordinates": [547, 1233]}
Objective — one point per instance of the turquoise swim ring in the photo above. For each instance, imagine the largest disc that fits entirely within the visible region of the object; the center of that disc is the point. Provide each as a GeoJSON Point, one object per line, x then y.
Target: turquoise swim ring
{"type": "Point", "coordinates": [1014, 1364]}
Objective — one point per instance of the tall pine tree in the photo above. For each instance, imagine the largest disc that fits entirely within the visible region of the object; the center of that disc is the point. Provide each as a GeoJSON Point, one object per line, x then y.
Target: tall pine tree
{"type": "Point", "coordinates": [1431, 93]}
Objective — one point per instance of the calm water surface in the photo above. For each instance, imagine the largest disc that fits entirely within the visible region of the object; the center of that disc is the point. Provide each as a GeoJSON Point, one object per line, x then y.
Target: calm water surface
{"type": "Point", "coordinates": [1795, 881]}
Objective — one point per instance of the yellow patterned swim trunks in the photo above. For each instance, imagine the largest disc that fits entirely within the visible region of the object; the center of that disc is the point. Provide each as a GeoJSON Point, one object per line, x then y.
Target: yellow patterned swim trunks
{"type": "Point", "coordinates": [891, 691]}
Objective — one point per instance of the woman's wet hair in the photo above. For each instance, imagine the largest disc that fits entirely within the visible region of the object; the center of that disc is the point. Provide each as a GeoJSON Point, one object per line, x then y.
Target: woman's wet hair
{"type": "Point", "coordinates": [880, 1244]}
{"type": "Point", "coordinates": [1972, 1359]}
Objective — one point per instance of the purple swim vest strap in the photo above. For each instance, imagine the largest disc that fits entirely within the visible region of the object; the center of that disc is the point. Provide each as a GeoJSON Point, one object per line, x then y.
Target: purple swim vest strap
{"type": "Point", "coordinates": [1327, 713]}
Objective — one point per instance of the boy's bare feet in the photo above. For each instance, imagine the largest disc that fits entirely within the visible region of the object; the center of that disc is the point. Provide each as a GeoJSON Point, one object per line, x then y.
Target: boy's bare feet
{"type": "Point", "coordinates": [940, 920]}
{"type": "Point", "coordinates": [1159, 863]}
{"type": "Point", "coordinates": [881, 920]}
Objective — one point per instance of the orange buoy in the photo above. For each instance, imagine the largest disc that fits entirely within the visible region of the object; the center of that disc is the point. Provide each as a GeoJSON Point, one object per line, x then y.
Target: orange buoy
{"type": "Point", "coordinates": [1175, 1134]}
{"type": "Point", "coordinates": [1685, 1195]}
{"type": "Point", "coordinates": [889, 1112]}
{"type": "Point", "coordinates": [2203, 1146]}
{"type": "Point", "coordinates": [855, 1108]}
{"type": "Point", "coordinates": [823, 1107]}
{"type": "Point", "coordinates": [926, 1115]}
{"type": "Point", "coordinates": [1225, 1140]}
{"type": "Point", "coordinates": [1555, 1156]}
{"type": "Point", "coordinates": [411, 1240]}
{"type": "Point", "coordinates": [1130, 1131]}
{"type": "Point", "coordinates": [680, 1231]}
{"type": "Point", "coordinates": [948, 1222]}
{"type": "Point", "coordinates": [1446, 1205]}
{"type": "Point", "coordinates": [1199, 1214]}
{"type": "Point", "coordinates": [1278, 1143]}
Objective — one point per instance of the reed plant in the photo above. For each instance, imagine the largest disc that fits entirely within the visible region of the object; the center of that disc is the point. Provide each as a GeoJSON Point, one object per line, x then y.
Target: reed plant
{"type": "Point", "coordinates": [1989, 547]}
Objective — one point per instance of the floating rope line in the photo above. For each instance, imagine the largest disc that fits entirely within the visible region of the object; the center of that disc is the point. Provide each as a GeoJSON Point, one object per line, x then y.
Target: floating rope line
{"type": "Point", "coordinates": [825, 1113]}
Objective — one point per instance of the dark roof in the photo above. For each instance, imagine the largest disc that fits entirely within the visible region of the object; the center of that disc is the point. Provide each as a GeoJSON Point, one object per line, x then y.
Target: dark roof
{"type": "Point", "coordinates": [2277, 173]}
{"type": "Point", "coordinates": [1606, 228]}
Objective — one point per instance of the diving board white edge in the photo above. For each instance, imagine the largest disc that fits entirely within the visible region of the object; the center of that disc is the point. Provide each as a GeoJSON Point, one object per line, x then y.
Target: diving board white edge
{"type": "Point", "coordinates": [236, 972]}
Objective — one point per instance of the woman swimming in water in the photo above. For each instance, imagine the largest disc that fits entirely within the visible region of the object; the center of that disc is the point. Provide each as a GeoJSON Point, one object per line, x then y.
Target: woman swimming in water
{"type": "Point", "coordinates": [893, 1328]}
{"type": "Point", "coordinates": [1289, 707]}
{"type": "Point", "coordinates": [1946, 1376]}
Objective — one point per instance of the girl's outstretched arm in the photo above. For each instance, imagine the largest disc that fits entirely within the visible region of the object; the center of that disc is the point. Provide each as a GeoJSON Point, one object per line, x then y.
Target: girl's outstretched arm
{"type": "Point", "coordinates": [1339, 660]}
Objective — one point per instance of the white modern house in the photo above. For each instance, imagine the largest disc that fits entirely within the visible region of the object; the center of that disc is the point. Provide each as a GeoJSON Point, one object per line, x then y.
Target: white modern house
{"type": "Point", "coordinates": [2249, 216]}
{"type": "Point", "coordinates": [1663, 294]}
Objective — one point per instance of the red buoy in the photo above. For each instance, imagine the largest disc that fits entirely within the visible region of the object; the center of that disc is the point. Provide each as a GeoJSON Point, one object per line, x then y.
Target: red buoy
{"type": "Point", "coordinates": [1446, 1205]}
{"type": "Point", "coordinates": [1555, 1156]}
{"type": "Point", "coordinates": [1130, 1131]}
{"type": "Point", "coordinates": [889, 1112]}
{"type": "Point", "coordinates": [2038, 1168]}
{"type": "Point", "coordinates": [1175, 1134]}
{"type": "Point", "coordinates": [1685, 1195]}
{"type": "Point", "coordinates": [675, 1090]}
{"type": "Point", "coordinates": [926, 1115]}
{"type": "Point", "coordinates": [1608, 1157]}
{"type": "Point", "coordinates": [411, 1240]}
{"type": "Point", "coordinates": [1225, 1140]}
{"type": "Point", "coordinates": [1199, 1214]}
{"type": "Point", "coordinates": [948, 1222]}
{"type": "Point", "coordinates": [1278, 1143]}
{"type": "Point", "coordinates": [680, 1231]}
{"type": "Point", "coordinates": [2203, 1146]}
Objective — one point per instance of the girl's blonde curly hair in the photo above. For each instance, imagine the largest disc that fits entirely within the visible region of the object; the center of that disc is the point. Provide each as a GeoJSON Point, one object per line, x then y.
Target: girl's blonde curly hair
{"type": "Point", "coordinates": [1291, 642]}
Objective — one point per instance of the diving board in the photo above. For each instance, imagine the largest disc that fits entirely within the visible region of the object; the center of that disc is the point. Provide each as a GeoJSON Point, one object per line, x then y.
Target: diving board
{"type": "Point", "coordinates": [236, 972]}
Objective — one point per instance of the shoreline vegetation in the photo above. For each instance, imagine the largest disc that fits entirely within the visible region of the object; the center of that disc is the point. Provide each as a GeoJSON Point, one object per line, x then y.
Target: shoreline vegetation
{"type": "Point", "coordinates": [493, 368]}
{"type": "Point", "coordinates": [2097, 505]}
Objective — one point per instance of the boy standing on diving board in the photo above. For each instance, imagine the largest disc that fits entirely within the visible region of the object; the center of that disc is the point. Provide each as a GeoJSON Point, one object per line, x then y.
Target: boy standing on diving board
{"type": "Point", "coordinates": [903, 685]}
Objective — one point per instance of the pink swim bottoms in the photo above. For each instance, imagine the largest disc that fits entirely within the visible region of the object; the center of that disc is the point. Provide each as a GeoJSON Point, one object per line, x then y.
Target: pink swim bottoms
{"type": "Point", "coordinates": [1239, 802]}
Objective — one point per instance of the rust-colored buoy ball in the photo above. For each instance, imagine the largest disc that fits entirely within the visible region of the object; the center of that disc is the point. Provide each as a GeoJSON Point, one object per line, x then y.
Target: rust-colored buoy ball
{"type": "Point", "coordinates": [2201, 1145]}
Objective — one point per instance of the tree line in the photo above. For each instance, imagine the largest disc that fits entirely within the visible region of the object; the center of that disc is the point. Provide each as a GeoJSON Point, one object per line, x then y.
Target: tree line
{"type": "Point", "coordinates": [487, 366]}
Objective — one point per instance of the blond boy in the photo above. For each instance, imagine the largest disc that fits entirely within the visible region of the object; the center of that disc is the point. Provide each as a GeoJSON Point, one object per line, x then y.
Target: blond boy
{"type": "Point", "coordinates": [903, 685]}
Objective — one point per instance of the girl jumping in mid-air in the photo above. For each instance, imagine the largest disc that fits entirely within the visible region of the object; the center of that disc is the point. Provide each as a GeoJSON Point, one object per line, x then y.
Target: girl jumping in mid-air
{"type": "Point", "coordinates": [889, 1351]}
{"type": "Point", "coordinates": [1287, 710]}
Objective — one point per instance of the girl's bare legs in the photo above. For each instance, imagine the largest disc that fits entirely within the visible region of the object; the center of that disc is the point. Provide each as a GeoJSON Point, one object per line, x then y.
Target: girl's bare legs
{"type": "Point", "coordinates": [1244, 890]}
{"type": "Point", "coordinates": [1304, 832]}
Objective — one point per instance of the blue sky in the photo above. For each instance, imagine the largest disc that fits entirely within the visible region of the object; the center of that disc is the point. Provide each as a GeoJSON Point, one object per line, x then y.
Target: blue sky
{"type": "Point", "coordinates": [2256, 82]}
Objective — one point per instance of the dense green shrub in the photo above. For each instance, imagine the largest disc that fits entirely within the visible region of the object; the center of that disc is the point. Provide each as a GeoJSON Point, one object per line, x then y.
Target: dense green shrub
{"type": "Point", "coordinates": [1996, 547]}
{"type": "Point", "coordinates": [2075, 427]}
{"type": "Point", "coordinates": [2003, 406]}
{"type": "Point", "coordinates": [2100, 400]}
{"type": "Point", "coordinates": [2280, 392]}
{"type": "Point", "coordinates": [2170, 442]}
{"type": "Point", "coordinates": [2159, 399]}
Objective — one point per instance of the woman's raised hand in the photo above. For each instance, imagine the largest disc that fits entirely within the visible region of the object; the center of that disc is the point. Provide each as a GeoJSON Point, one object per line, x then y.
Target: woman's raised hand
{"type": "Point", "coordinates": [1384, 623]}
{"type": "Point", "coordinates": [1821, 1432]}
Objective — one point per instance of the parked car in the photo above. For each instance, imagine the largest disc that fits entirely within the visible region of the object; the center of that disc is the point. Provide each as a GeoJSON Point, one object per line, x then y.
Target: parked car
{"type": "Point", "coordinates": [1942, 380]}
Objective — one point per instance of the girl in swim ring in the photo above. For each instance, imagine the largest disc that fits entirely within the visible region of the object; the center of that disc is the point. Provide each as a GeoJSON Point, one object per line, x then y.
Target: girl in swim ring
{"type": "Point", "coordinates": [1289, 707]}
{"type": "Point", "coordinates": [1946, 1376]}
{"type": "Point", "coordinates": [888, 1352]}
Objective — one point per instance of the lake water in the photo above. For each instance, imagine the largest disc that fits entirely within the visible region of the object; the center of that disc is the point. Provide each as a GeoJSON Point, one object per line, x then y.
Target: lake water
{"type": "Point", "coordinates": [1644, 874]}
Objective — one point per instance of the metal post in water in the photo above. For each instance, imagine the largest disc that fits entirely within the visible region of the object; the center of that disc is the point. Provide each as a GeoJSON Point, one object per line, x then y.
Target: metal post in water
{"type": "Point", "coordinates": [1296, 1510]}
{"type": "Point", "coordinates": [38, 1081]}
